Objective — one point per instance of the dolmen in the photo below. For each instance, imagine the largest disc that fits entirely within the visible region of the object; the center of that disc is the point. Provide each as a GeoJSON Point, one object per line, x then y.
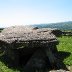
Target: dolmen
{"type": "Point", "coordinates": [31, 46]}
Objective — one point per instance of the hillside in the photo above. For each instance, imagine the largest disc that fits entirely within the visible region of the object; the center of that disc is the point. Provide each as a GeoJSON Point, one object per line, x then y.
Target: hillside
{"type": "Point", "coordinates": [60, 25]}
{"type": "Point", "coordinates": [1, 29]}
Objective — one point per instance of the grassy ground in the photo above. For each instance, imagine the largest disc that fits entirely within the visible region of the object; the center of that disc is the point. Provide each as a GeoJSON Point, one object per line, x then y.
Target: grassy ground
{"type": "Point", "coordinates": [4, 68]}
{"type": "Point", "coordinates": [65, 47]}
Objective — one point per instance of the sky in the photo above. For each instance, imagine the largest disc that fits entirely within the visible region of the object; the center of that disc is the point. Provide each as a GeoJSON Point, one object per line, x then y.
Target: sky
{"type": "Point", "coordinates": [26, 12]}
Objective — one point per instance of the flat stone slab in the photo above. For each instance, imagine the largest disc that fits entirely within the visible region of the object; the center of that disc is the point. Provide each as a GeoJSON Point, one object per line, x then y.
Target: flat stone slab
{"type": "Point", "coordinates": [23, 33]}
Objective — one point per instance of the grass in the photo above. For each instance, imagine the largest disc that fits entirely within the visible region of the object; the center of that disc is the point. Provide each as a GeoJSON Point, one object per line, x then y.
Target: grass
{"type": "Point", "coordinates": [4, 68]}
{"type": "Point", "coordinates": [65, 45]}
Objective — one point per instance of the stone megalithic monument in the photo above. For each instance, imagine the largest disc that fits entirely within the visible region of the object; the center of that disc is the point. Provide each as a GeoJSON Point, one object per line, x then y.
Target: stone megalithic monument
{"type": "Point", "coordinates": [25, 45]}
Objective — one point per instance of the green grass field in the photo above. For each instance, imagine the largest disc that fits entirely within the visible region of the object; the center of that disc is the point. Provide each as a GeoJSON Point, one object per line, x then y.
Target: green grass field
{"type": "Point", "coordinates": [65, 46]}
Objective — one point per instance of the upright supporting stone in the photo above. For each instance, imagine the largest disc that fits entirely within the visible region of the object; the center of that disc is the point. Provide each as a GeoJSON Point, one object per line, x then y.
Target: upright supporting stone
{"type": "Point", "coordinates": [13, 55]}
{"type": "Point", "coordinates": [37, 62]}
{"type": "Point", "coordinates": [50, 55]}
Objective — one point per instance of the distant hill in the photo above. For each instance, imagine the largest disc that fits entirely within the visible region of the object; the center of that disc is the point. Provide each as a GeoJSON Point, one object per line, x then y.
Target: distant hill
{"type": "Point", "coordinates": [60, 25]}
{"type": "Point", "coordinates": [1, 29]}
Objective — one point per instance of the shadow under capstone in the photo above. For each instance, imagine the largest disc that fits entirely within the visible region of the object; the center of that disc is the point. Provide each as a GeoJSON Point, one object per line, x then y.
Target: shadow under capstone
{"type": "Point", "coordinates": [60, 56]}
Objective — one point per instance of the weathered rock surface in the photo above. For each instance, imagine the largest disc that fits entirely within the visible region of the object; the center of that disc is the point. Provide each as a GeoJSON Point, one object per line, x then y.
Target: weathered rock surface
{"type": "Point", "coordinates": [21, 33]}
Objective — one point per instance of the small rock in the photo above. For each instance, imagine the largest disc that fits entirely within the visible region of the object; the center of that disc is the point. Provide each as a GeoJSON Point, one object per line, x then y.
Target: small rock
{"type": "Point", "coordinates": [59, 71]}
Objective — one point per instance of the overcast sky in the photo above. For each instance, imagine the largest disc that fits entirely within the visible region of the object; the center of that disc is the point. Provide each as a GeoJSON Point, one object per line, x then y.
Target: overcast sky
{"type": "Point", "coordinates": [25, 12]}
